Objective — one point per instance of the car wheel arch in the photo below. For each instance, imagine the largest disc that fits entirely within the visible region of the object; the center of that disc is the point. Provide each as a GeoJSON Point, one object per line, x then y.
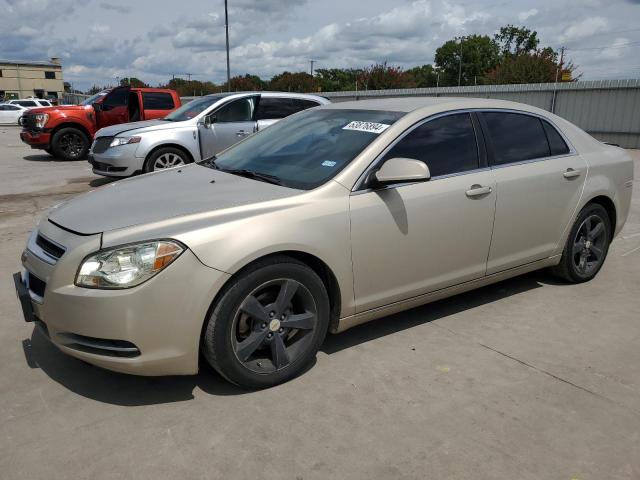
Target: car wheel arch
{"type": "Point", "coordinates": [608, 204]}
{"type": "Point", "coordinates": [169, 145]}
{"type": "Point", "coordinates": [316, 264]}
{"type": "Point", "coordinates": [77, 126]}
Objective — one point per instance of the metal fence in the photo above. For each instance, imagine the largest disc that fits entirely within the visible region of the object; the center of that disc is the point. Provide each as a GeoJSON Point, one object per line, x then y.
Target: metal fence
{"type": "Point", "coordinates": [74, 98]}
{"type": "Point", "coordinates": [607, 109]}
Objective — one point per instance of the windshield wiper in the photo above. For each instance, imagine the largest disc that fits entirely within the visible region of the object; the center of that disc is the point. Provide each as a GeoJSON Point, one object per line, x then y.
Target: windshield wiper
{"type": "Point", "coordinates": [243, 172]}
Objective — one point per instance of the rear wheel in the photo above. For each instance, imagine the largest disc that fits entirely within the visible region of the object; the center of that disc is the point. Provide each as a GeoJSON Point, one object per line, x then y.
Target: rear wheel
{"type": "Point", "coordinates": [166, 157]}
{"type": "Point", "coordinates": [70, 144]}
{"type": "Point", "coordinates": [587, 245]}
{"type": "Point", "coordinates": [268, 324]}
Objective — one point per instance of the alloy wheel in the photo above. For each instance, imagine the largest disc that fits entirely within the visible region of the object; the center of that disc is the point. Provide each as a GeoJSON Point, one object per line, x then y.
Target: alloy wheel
{"type": "Point", "coordinates": [274, 326]}
{"type": "Point", "coordinates": [168, 160]}
{"type": "Point", "coordinates": [71, 144]}
{"type": "Point", "coordinates": [589, 245]}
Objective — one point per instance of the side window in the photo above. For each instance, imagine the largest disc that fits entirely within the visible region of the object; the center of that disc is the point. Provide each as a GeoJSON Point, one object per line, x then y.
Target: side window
{"type": "Point", "coordinates": [11, 107]}
{"type": "Point", "coordinates": [304, 104]}
{"type": "Point", "coordinates": [447, 145]}
{"type": "Point", "coordinates": [557, 145]}
{"type": "Point", "coordinates": [236, 111]}
{"type": "Point", "coordinates": [27, 103]}
{"type": "Point", "coordinates": [157, 101]}
{"type": "Point", "coordinates": [516, 137]}
{"type": "Point", "coordinates": [270, 108]}
{"type": "Point", "coordinates": [117, 98]}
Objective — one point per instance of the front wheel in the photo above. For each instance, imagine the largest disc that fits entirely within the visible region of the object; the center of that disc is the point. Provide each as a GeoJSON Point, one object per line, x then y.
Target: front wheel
{"type": "Point", "coordinates": [268, 325]}
{"type": "Point", "coordinates": [166, 157]}
{"type": "Point", "coordinates": [70, 144]}
{"type": "Point", "coordinates": [587, 245]}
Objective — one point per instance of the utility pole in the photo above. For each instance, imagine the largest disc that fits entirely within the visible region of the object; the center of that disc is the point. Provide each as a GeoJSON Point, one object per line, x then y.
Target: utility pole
{"type": "Point", "coordinates": [555, 85]}
{"type": "Point", "coordinates": [226, 28]}
{"type": "Point", "coordinates": [460, 64]}
{"type": "Point", "coordinates": [312, 62]}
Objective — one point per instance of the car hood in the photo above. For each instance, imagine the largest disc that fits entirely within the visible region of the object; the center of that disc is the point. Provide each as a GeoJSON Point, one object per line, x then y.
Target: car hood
{"type": "Point", "coordinates": [161, 196]}
{"type": "Point", "coordinates": [139, 127]}
{"type": "Point", "coordinates": [65, 109]}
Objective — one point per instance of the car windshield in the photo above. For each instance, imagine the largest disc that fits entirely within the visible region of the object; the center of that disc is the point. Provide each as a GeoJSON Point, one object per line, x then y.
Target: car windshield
{"type": "Point", "coordinates": [193, 108]}
{"type": "Point", "coordinates": [307, 149]}
{"type": "Point", "coordinates": [94, 98]}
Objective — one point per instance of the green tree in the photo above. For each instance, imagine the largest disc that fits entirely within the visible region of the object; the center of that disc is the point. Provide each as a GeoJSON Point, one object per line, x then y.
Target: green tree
{"type": "Point", "coordinates": [292, 82]}
{"type": "Point", "coordinates": [337, 79]}
{"type": "Point", "coordinates": [247, 83]}
{"type": "Point", "coordinates": [514, 40]}
{"type": "Point", "coordinates": [425, 76]}
{"type": "Point", "coordinates": [132, 82]}
{"type": "Point", "coordinates": [468, 57]}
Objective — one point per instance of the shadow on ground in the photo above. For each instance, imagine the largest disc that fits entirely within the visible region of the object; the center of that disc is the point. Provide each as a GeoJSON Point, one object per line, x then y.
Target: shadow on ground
{"type": "Point", "coordinates": [44, 157]}
{"type": "Point", "coordinates": [129, 390]}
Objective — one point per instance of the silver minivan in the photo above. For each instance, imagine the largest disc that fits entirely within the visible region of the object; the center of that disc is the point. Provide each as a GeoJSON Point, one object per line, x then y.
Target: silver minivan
{"type": "Point", "coordinates": [198, 130]}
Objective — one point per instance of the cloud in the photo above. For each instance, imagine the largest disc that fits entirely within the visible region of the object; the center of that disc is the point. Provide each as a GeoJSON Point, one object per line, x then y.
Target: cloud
{"type": "Point", "coordinates": [585, 28]}
{"type": "Point", "coordinates": [523, 16]}
{"type": "Point", "coordinates": [119, 8]}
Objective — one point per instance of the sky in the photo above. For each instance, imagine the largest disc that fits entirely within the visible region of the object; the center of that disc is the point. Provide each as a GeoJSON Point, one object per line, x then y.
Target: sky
{"type": "Point", "coordinates": [154, 40]}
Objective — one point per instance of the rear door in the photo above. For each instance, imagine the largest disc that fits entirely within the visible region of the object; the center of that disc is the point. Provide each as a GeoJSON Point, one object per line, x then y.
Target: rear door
{"type": "Point", "coordinates": [156, 104]}
{"type": "Point", "coordinates": [539, 181]}
{"type": "Point", "coordinates": [114, 108]}
{"type": "Point", "coordinates": [227, 125]}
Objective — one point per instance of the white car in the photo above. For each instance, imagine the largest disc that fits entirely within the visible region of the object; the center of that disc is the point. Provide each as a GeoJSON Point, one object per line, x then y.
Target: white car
{"type": "Point", "coordinates": [31, 102]}
{"type": "Point", "coordinates": [10, 113]}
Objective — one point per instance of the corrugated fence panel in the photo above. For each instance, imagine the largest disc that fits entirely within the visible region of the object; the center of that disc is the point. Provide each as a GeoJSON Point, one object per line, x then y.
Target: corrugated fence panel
{"type": "Point", "coordinates": [608, 109]}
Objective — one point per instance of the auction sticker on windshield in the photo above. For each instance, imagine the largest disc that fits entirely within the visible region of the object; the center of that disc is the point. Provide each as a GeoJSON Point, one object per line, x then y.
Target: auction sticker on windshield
{"type": "Point", "coordinates": [370, 127]}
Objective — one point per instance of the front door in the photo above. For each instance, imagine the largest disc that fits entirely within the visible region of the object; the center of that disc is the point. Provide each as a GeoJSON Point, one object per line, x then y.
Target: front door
{"type": "Point", "coordinates": [412, 239]}
{"type": "Point", "coordinates": [539, 183]}
{"type": "Point", "coordinates": [114, 108]}
{"type": "Point", "coordinates": [227, 125]}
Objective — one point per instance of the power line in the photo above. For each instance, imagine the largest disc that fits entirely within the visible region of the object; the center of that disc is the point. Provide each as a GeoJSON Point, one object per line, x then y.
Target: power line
{"type": "Point", "coordinates": [620, 45]}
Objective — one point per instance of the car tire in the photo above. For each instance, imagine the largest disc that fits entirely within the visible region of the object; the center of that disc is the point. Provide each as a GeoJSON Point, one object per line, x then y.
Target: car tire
{"type": "Point", "coordinates": [267, 324]}
{"type": "Point", "coordinates": [49, 151]}
{"type": "Point", "coordinates": [70, 144]}
{"type": "Point", "coordinates": [169, 156]}
{"type": "Point", "coordinates": [587, 245]}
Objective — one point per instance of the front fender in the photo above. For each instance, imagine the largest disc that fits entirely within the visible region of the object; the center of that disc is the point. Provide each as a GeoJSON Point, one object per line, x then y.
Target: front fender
{"type": "Point", "coordinates": [183, 137]}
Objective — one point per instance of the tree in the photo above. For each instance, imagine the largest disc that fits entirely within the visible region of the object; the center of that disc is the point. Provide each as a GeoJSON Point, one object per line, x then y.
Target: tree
{"type": "Point", "coordinates": [381, 76]}
{"type": "Point", "coordinates": [468, 58]}
{"type": "Point", "coordinates": [425, 76]}
{"type": "Point", "coordinates": [514, 40]}
{"type": "Point", "coordinates": [337, 79]}
{"type": "Point", "coordinates": [133, 82]}
{"type": "Point", "coordinates": [247, 83]}
{"type": "Point", "coordinates": [292, 82]}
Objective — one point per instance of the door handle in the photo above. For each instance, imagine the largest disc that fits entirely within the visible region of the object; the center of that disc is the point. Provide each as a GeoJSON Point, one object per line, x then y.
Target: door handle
{"type": "Point", "coordinates": [571, 173]}
{"type": "Point", "coordinates": [242, 133]}
{"type": "Point", "coordinates": [478, 191]}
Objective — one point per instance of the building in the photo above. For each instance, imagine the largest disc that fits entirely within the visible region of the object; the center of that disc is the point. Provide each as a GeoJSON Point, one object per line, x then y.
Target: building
{"type": "Point", "coordinates": [23, 78]}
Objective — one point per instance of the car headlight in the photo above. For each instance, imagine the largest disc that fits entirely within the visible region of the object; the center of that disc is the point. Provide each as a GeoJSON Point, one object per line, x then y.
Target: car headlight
{"type": "Point", "coordinates": [127, 266]}
{"type": "Point", "coordinates": [41, 119]}
{"type": "Point", "coordinates": [124, 141]}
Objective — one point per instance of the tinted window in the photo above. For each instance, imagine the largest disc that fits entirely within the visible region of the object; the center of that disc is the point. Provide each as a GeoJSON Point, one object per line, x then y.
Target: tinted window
{"type": "Point", "coordinates": [157, 101]}
{"type": "Point", "coordinates": [50, 75]}
{"type": "Point", "coordinates": [270, 108]}
{"type": "Point", "coordinates": [557, 144]}
{"type": "Point", "coordinates": [193, 108]}
{"type": "Point", "coordinates": [516, 137]}
{"type": "Point", "coordinates": [236, 111]}
{"type": "Point", "coordinates": [447, 145]}
{"type": "Point", "coordinates": [11, 107]}
{"type": "Point", "coordinates": [304, 104]}
{"type": "Point", "coordinates": [27, 103]}
{"type": "Point", "coordinates": [306, 150]}
{"type": "Point", "coordinates": [117, 98]}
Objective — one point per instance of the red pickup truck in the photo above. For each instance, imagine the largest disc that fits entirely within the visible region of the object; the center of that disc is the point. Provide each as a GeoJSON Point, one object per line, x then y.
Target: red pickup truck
{"type": "Point", "coordinates": [67, 131]}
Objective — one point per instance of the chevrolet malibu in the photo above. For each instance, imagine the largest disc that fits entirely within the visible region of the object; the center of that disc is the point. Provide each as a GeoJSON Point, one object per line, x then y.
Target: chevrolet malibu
{"type": "Point", "coordinates": [332, 217]}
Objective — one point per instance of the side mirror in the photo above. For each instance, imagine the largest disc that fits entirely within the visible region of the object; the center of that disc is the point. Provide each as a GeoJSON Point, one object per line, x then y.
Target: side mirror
{"type": "Point", "coordinates": [209, 120]}
{"type": "Point", "coordinates": [401, 170]}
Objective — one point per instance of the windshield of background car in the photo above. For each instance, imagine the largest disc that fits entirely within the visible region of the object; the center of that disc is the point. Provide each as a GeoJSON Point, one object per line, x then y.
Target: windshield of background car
{"type": "Point", "coordinates": [94, 98]}
{"type": "Point", "coordinates": [193, 108]}
{"type": "Point", "coordinates": [307, 149]}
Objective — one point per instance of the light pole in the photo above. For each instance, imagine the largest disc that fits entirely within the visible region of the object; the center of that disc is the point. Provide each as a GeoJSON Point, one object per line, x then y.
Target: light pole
{"type": "Point", "coordinates": [226, 28]}
{"type": "Point", "coordinates": [460, 64]}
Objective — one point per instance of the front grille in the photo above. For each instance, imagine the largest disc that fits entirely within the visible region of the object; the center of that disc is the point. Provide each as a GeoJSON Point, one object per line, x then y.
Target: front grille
{"type": "Point", "coordinates": [99, 346]}
{"type": "Point", "coordinates": [52, 249]}
{"type": "Point", "coordinates": [28, 121]}
{"type": "Point", "coordinates": [36, 285]}
{"type": "Point", "coordinates": [101, 144]}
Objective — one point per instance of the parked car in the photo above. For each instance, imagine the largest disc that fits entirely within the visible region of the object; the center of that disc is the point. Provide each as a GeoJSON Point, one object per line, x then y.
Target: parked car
{"type": "Point", "coordinates": [30, 102]}
{"type": "Point", "coordinates": [332, 217]}
{"type": "Point", "coordinates": [11, 113]}
{"type": "Point", "coordinates": [67, 131]}
{"type": "Point", "coordinates": [197, 130]}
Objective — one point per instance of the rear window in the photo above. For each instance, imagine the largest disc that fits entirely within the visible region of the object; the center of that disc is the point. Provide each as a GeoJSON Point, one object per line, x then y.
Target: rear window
{"type": "Point", "coordinates": [557, 145]}
{"type": "Point", "coordinates": [516, 137]}
{"type": "Point", "coordinates": [271, 108]}
{"type": "Point", "coordinates": [26, 103]}
{"type": "Point", "coordinates": [157, 101]}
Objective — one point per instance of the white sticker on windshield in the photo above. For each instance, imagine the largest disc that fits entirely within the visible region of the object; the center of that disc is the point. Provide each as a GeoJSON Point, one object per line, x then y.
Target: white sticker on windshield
{"type": "Point", "coordinates": [328, 163]}
{"type": "Point", "coordinates": [370, 127]}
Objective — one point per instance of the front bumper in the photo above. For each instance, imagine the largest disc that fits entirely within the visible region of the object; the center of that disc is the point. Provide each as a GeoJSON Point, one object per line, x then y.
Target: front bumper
{"type": "Point", "coordinates": [151, 329]}
{"type": "Point", "coordinates": [118, 161]}
{"type": "Point", "coordinates": [36, 139]}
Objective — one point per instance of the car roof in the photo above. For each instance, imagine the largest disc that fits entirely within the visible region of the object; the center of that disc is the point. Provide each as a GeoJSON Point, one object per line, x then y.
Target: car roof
{"type": "Point", "coordinates": [269, 93]}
